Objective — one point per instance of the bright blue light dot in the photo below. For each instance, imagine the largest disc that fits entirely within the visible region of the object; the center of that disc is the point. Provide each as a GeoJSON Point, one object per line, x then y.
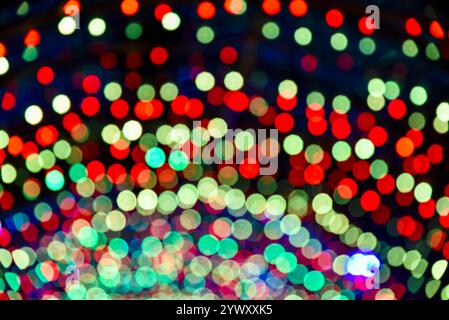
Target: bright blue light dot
{"type": "Point", "coordinates": [360, 264]}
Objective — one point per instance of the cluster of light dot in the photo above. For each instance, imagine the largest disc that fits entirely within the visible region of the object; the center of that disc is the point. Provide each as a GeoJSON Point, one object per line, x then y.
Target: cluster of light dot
{"type": "Point", "coordinates": [91, 177]}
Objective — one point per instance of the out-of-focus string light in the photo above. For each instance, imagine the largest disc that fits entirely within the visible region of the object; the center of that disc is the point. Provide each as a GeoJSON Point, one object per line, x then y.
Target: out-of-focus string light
{"type": "Point", "coordinates": [103, 154]}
